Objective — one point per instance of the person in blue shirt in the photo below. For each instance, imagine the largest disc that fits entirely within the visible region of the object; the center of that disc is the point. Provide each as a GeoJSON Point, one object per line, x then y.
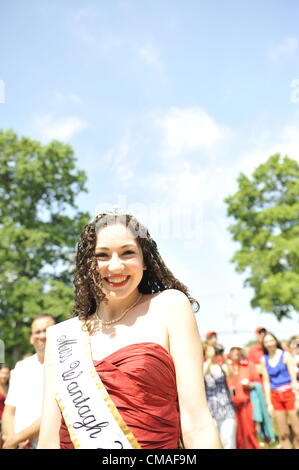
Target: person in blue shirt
{"type": "Point", "coordinates": [280, 386]}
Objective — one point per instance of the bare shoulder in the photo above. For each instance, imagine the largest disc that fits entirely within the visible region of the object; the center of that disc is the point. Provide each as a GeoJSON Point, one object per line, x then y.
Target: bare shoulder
{"type": "Point", "coordinates": [183, 332]}
{"type": "Point", "coordinates": [172, 296]}
{"type": "Point", "coordinates": [287, 356]}
{"type": "Point", "coordinates": [175, 308]}
{"type": "Point", "coordinates": [173, 302]}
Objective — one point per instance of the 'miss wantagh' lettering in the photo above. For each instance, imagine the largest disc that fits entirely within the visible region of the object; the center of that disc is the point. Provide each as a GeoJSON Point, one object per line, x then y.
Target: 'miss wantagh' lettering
{"type": "Point", "coordinates": [71, 373]}
{"type": "Point", "coordinates": [88, 420]}
{"type": "Point", "coordinates": [65, 348]}
{"type": "Point", "coordinates": [82, 404]}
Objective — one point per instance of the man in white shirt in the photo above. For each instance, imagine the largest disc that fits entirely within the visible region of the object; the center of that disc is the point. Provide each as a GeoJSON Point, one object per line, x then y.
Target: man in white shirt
{"type": "Point", "coordinates": [23, 404]}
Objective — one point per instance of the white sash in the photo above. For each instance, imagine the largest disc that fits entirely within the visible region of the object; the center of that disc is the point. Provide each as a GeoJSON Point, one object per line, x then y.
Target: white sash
{"type": "Point", "coordinates": [92, 419]}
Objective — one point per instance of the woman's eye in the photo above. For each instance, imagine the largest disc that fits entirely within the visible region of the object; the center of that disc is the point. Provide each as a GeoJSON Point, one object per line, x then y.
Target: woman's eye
{"type": "Point", "coordinates": [102, 255]}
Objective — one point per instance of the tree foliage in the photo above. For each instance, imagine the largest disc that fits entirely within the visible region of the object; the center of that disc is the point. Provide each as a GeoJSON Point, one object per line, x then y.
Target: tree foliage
{"type": "Point", "coordinates": [266, 213]}
{"type": "Point", "coordinates": [39, 228]}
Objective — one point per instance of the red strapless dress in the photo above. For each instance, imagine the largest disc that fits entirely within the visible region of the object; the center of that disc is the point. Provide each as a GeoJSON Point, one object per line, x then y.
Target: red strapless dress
{"type": "Point", "coordinates": [140, 379]}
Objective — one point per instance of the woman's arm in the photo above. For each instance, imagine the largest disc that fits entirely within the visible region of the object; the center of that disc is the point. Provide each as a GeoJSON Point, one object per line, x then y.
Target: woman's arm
{"type": "Point", "coordinates": [227, 370]}
{"type": "Point", "coordinates": [266, 385]}
{"type": "Point", "coordinates": [226, 367]}
{"type": "Point", "coordinates": [198, 428]}
{"type": "Point", "coordinates": [51, 416]}
{"type": "Point", "coordinates": [206, 366]}
{"type": "Point", "coordinates": [22, 438]}
{"type": "Point", "coordinates": [288, 360]}
{"type": "Point", "coordinates": [8, 419]}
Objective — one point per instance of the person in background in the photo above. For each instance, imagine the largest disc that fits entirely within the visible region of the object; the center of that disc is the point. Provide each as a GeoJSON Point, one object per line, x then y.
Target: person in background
{"type": "Point", "coordinates": [294, 350]}
{"type": "Point", "coordinates": [261, 417]}
{"type": "Point", "coordinates": [256, 352]}
{"type": "Point", "coordinates": [285, 345]}
{"type": "Point", "coordinates": [293, 345]}
{"type": "Point", "coordinates": [240, 384]}
{"type": "Point", "coordinates": [4, 380]}
{"type": "Point", "coordinates": [280, 386]}
{"type": "Point", "coordinates": [218, 396]}
{"type": "Point", "coordinates": [23, 404]}
{"type": "Point", "coordinates": [212, 340]}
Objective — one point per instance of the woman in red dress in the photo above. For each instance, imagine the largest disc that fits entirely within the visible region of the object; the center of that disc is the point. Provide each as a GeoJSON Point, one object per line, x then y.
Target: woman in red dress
{"type": "Point", "coordinates": [144, 340]}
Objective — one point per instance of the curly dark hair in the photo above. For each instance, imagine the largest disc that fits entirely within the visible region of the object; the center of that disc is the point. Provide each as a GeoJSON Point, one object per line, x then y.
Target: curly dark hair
{"type": "Point", "coordinates": [87, 281]}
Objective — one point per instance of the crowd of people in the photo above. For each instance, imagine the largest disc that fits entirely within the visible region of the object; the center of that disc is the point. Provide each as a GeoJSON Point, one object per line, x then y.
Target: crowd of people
{"type": "Point", "coordinates": [253, 392]}
{"type": "Point", "coordinates": [21, 392]}
{"type": "Point", "coordinates": [128, 370]}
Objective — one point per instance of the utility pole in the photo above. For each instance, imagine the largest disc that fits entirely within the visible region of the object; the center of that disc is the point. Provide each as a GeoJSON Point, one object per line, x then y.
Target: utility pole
{"type": "Point", "coordinates": [231, 313]}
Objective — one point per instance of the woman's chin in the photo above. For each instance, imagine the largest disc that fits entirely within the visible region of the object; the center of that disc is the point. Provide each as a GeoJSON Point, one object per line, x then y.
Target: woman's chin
{"type": "Point", "coordinates": [118, 295]}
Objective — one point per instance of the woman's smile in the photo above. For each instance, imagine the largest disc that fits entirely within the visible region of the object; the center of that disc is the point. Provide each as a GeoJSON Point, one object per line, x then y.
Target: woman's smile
{"type": "Point", "coordinates": [117, 281]}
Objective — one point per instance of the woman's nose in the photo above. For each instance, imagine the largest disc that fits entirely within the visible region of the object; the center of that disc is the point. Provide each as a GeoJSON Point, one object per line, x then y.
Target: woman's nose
{"type": "Point", "coordinates": [115, 264]}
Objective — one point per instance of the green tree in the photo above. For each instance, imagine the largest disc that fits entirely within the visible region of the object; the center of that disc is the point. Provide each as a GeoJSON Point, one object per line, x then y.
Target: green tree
{"type": "Point", "coordinates": [266, 212]}
{"type": "Point", "coordinates": [39, 228]}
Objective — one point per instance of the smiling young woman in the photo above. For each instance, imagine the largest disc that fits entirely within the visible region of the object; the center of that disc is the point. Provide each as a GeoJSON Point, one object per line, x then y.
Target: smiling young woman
{"type": "Point", "coordinates": [132, 349]}
{"type": "Point", "coordinates": [280, 386]}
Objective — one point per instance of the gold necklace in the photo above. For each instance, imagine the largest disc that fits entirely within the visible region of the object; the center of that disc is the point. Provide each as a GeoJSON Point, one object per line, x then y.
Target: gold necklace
{"type": "Point", "coordinates": [110, 322]}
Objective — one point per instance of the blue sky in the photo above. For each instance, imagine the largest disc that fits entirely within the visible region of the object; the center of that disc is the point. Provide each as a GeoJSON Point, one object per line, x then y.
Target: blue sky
{"type": "Point", "coordinates": [164, 102]}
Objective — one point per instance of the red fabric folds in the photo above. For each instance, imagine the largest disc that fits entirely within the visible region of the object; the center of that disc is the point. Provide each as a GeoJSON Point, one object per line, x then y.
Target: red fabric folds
{"type": "Point", "coordinates": [140, 379]}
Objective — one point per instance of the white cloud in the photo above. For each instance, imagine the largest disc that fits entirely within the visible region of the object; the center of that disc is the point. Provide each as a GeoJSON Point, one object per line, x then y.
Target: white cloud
{"type": "Point", "coordinates": [83, 25]}
{"type": "Point", "coordinates": [189, 180]}
{"type": "Point", "coordinates": [286, 48]}
{"type": "Point", "coordinates": [149, 54]}
{"type": "Point", "coordinates": [189, 129]}
{"type": "Point", "coordinates": [119, 162]}
{"type": "Point", "coordinates": [285, 143]}
{"type": "Point", "coordinates": [64, 128]}
{"type": "Point", "coordinates": [65, 98]}
{"type": "Point", "coordinates": [89, 27]}
{"type": "Point", "coordinates": [188, 183]}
